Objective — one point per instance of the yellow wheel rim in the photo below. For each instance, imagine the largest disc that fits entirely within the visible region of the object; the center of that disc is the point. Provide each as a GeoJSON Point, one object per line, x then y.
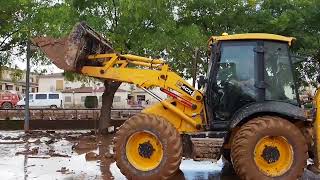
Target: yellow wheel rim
{"type": "Point", "coordinates": [144, 150]}
{"type": "Point", "coordinates": [273, 155]}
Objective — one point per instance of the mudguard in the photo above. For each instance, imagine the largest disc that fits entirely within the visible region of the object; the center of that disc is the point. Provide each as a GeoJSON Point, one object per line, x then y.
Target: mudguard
{"type": "Point", "coordinates": [271, 107]}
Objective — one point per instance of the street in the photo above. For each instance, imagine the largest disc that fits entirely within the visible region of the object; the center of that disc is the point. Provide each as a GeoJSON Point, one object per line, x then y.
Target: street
{"type": "Point", "coordinates": [77, 155]}
{"type": "Point", "coordinates": [80, 155]}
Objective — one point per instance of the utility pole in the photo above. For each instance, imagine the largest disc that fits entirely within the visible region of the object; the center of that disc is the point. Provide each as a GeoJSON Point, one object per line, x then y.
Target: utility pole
{"type": "Point", "coordinates": [194, 67]}
{"type": "Point", "coordinates": [27, 112]}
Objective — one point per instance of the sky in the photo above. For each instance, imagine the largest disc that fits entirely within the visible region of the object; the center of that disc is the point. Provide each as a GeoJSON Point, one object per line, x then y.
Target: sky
{"type": "Point", "coordinates": [49, 68]}
{"type": "Point", "coordinates": [20, 62]}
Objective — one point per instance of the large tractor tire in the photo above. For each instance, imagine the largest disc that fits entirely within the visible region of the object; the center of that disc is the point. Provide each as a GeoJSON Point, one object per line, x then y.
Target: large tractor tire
{"type": "Point", "coordinates": [269, 147]}
{"type": "Point", "coordinates": [148, 147]}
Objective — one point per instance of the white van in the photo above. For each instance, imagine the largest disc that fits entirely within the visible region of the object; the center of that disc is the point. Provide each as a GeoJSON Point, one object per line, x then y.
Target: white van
{"type": "Point", "coordinates": [43, 100]}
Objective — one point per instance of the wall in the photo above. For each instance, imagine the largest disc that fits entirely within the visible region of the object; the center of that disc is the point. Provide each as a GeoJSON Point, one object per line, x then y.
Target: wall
{"type": "Point", "coordinates": [50, 84]}
{"type": "Point", "coordinates": [77, 99]}
{"type": "Point", "coordinates": [149, 100]}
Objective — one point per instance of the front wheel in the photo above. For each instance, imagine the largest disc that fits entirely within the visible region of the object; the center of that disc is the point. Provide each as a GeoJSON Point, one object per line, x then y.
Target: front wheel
{"type": "Point", "coordinates": [269, 147]}
{"type": "Point", "coordinates": [6, 105]}
{"type": "Point", "coordinates": [148, 147]}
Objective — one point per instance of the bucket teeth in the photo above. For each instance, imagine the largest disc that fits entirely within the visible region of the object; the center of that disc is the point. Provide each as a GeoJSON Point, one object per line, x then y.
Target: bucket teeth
{"type": "Point", "coordinates": [70, 53]}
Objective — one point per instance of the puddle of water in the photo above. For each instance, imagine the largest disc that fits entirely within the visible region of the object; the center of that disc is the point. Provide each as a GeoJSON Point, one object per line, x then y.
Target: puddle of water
{"type": "Point", "coordinates": [200, 169]}
{"type": "Point", "coordinates": [190, 170]}
{"type": "Point", "coordinates": [116, 172]}
{"type": "Point", "coordinates": [76, 168]}
{"type": "Point", "coordinates": [12, 168]}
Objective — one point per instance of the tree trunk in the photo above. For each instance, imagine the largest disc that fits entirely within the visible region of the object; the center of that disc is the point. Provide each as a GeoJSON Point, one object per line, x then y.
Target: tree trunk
{"type": "Point", "coordinates": [107, 98]}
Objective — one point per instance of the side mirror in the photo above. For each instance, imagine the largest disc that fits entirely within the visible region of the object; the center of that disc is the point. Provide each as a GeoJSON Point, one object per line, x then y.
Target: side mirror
{"type": "Point", "coordinates": [201, 81]}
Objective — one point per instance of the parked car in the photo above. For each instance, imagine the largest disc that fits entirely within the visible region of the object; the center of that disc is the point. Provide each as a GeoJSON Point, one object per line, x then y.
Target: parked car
{"type": "Point", "coordinates": [43, 100]}
{"type": "Point", "coordinates": [8, 99]}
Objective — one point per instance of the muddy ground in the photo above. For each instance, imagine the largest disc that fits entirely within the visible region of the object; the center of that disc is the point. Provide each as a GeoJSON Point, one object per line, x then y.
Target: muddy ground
{"type": "Point", "coordinates": [79, 155]}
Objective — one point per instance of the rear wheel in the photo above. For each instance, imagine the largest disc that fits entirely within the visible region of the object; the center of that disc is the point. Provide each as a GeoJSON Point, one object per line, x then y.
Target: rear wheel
{"type": "Point", "coordinates": [148, 147]}
{"type": "Point", "coordinates": [6, 105]}
{"type": "Point", "coordinates": [53, 107]}
{"type": "Point", "coordinates": [269, 147]}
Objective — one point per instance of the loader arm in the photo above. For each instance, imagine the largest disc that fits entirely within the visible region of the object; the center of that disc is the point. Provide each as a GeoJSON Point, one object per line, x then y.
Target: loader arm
{"type": "Point", "coordinates": [86, 52]}
{"type": "Point", "coordinates": [148, 73]}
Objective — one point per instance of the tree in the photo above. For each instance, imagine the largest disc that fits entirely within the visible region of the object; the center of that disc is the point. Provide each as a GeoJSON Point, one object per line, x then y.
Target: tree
{"type": "Point", "coordinates": [173, 29]}
{"type": "Point", "coordinates": [107, 99]}
{"type": "Point", "coordinates": [134, 30]}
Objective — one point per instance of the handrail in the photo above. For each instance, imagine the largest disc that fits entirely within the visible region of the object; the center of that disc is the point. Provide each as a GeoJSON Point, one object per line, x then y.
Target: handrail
{"type": "Point", "coordinates": [64, 114]}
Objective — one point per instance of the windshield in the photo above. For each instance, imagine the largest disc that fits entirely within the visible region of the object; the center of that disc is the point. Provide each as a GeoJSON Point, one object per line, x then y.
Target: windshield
{"type": "Point", "coordinates": [30, 97]}
{"type": "Point", "coordinates": [237, 66]}
{"type": "Point", "coordinates": [278, 73]}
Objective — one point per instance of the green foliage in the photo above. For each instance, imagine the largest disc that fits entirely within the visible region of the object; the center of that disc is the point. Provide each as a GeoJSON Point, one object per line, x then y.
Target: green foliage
{"type": "Point", "coordinates": [177, 27]}
{"type": "Point", "coordinates": [16, 75]}
{"type": "Point", "coordinates": [91, 102]}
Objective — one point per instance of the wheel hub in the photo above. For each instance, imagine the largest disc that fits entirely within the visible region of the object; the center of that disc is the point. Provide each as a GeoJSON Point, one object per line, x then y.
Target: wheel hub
{"type": "Point", "coordinates": [146, 149]}
{"type": "Point", "coordinates": [273, 155]}
{"type": "Point", "coordinates": [270, 154]}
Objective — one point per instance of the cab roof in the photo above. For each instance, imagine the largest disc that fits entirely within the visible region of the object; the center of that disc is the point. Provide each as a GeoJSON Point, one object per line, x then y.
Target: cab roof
{"type": "Point", "coordinates": [252, 36]}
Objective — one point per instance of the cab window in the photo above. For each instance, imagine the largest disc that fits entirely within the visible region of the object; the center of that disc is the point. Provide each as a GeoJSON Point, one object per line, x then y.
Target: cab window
{"type": "Point", "coordinates": [278, 73]}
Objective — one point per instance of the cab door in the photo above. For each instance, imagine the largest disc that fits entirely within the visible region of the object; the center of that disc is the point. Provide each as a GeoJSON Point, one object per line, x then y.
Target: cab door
{"type": "Point", "coordinates": [232, 80]}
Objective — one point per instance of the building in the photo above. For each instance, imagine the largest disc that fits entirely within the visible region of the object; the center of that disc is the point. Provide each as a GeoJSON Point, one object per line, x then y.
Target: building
{"type": "Point", "coordinates": [56, 82]}
{"type": "Point", "coordinates": [15, 80]}
{"type": "Point", "coordinates": [139, 98]}
{"type": "Point", "coordinates": [123, 98]}
{"type": "Point", "coordinates": [127, 96]}
{"type": "Point", "coordinates": [74, 98]}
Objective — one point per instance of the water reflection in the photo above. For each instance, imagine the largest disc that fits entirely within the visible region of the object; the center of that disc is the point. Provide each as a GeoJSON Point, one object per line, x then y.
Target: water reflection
{"type": "Point", "coordinates": [190, 170]}
{"type": "Point", "coordinates": [203, 171]}
{"type": "Point", "coordinates": [87, 157]}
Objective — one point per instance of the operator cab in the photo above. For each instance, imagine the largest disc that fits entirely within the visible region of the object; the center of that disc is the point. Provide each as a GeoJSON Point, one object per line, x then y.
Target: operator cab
{"type": "Point", "coordinates": [245, 69]}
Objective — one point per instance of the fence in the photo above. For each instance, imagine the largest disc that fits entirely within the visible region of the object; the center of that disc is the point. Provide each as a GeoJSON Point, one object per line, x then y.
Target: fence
{"type": "Point", "coordinates": [65, 114]}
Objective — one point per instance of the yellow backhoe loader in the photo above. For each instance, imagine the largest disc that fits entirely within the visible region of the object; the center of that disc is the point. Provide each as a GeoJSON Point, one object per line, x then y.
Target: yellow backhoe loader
{"type": "Point", "coordinates": [248, 111]}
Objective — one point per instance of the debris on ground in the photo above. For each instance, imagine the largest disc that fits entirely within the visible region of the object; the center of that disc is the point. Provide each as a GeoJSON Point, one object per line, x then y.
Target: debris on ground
{"type": "Point", "coordinates": [91, 156]}
{"type": "Point", "coordinates": [64, 170]}
{"type": "Point", "coordinates": [52, 153]}
{"type": "Point", "coordinates": [50, 141]}
{"type": "Point", "coordinates": [78, 155]}
{"type": "Point", "coordinates": [33, 151]}
{"type": "Point", "coordinates": [108, 155]}
{"type": "Point", "coordinates": [111, 129]}
{"type": "Point", "coordinates": [50, 132]}
{"type": "Point", "coordinates": [11, 138]}
{"type": "Point", "coordinates": [83, 146]}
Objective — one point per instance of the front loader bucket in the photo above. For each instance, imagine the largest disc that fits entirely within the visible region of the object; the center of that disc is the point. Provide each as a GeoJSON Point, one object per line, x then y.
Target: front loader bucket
{"type": "Point", "coordinates": [70, 53]}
